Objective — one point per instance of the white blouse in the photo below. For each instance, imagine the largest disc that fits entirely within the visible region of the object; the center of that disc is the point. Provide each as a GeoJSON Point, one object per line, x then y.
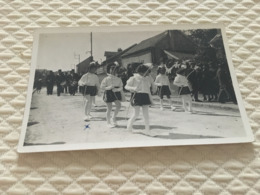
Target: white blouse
{"type": "Point", "coordinates": [89, 79]}
{"type": "Point", "coordinates": [139, 84]}
{"type": "Point", "coordinates": [112, 82]}
{"type": "Point", "coordinates": [161, 80]}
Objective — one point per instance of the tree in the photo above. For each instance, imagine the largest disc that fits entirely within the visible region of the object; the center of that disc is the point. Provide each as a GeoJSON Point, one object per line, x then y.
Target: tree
{"type": "Point", "coordinates": [206, 52]}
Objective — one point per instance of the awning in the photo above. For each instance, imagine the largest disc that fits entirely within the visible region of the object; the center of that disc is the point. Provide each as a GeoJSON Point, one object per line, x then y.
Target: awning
{"type": "Point", "coordinates": [177, 55]}
{"type": "Point", "coordinates": [148, 64]}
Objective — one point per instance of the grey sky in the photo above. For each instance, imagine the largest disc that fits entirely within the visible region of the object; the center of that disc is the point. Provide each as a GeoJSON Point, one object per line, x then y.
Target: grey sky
{"type": "Point", "coordinates": [56, 51]}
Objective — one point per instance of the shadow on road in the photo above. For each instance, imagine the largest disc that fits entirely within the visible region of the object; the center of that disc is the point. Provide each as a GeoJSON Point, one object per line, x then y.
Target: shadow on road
{"type": "Point", "coordinates": [99, 110]}
{"type": "Point", "coordinates": [154, 127]}
{"type": "Point", "coordinates": [32, 123]}
{"type": "Point", "coordinates": [212, 114]}
{"type": "Point", "coordinates": [97, 119]}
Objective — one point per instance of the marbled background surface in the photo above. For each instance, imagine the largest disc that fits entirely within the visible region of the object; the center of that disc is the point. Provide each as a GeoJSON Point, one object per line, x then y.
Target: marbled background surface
{"type": "Point", "coordinates": [221, 169]}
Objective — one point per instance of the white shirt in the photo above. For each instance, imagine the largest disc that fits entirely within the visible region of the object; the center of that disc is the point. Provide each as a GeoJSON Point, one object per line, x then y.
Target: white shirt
{"type": "Point", "coordinates": [181, 81]}
{"type": "Point", "coordinates": [161, 80]}
{"type": "Point", "coordinates": [139, 84]}
{"type": "Point", "coordinates": [111, 82]}
{"type": "Point", "coordinates": [89, 79]}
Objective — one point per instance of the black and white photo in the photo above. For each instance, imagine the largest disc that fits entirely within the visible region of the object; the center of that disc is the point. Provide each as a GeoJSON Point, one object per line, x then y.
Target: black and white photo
{"type": "Point", "coordinates": [139, 86]}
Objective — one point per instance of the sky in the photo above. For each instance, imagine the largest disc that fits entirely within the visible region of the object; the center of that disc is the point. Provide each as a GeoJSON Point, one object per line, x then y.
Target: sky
{"type": "Point", "coordinates": [56, 51]}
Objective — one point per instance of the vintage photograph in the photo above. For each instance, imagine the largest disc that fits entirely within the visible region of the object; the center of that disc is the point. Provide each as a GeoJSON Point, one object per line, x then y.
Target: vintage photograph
{"type": "Point", "coordinates": [116, 87]}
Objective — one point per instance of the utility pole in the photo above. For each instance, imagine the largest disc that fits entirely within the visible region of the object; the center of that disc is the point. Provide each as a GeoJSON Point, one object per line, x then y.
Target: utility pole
{"type": "Point", "coordinates": [91, 54]}
{"type": "Point", "coordinates": [76, 56]}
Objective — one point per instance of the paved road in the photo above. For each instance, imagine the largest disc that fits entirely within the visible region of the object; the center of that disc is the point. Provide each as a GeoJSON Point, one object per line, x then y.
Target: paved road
{"type": "Point", "coordinates": [56, 119]}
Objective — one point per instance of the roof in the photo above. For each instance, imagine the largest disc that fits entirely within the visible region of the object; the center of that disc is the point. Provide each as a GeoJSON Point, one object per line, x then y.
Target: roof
{"type": "Point", "coordinates": [178, 55]}
{"type": "Point", "coordinates": [147, 43]}
{"type": "Point", "coordinates": [110, 53]}
{"type": "Point", "coordinates": [177, 41]}
{"type": "Point", "coordinates": [118, 54]}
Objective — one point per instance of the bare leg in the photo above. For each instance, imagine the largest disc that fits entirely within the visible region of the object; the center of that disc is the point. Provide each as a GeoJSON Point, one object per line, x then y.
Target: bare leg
{"type": "Point", "coordinates": [94, 101]}
{"type": "Point", "coordinates": [146, 117]}
{"type": "Point", "coordinates": [108, 113]}
{"type": "Point", "coordinates": [171, 103]}
{"type": "Point", "coordinates": [87, 99]}
{"type": "Point", "coordinates": [118, 106]}
{"type": "Point", "coordinates": [89, 105]}
{"type": "Point", "coordinates": [161, 104]}
{"type": "Point", "coordinates": [184, 103]}
{"type": "Point", "coordinates": [189, 100]}
{"type": "Point", "coordinates": [133, 118]}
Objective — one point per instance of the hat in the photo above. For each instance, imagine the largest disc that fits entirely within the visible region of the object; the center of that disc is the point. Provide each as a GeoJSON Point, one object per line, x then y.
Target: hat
{"type": "Point", "coordinates": [183, 66]}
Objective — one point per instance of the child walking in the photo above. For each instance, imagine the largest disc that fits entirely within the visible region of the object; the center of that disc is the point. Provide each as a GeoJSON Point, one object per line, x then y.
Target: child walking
{"type": "Point", "coordinates": [140, 85]}
{"type": "Point", "coordinates": [184, 88]}
{"type": "Point", "coordinates": [90, 82]}
{"type": "Point", "coordinates": [163, 84]}
{"type": "Point", "coordinates": [113, 87]}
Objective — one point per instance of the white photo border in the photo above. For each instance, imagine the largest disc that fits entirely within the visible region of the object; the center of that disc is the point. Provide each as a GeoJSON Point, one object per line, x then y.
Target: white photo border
{"type": "Point", "coordinates": [131, 144]}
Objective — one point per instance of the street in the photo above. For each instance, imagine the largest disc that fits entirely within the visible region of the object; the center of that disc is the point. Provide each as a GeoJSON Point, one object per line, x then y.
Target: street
{"type": "Point", "coordinates": [59, 120]}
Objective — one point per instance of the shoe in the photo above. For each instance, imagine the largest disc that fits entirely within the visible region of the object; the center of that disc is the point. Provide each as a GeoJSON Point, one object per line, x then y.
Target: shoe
{"type": "Point", "coordinates": [114, 122]}
{"type": "Point", "coordinates": [110, 125]}
{"type": "Point", "coordinates": [130, 130]}
{"type": "Point", "coordinates": [137, 131]}
{"type": "Point", "coordinates": [90, 116]}
{"type": "Point", "coordinates": [86, 118]}
{"type": "Point", "coordinates": [147, 132]}
{"type": "Point", "coordinates": [173, 108]}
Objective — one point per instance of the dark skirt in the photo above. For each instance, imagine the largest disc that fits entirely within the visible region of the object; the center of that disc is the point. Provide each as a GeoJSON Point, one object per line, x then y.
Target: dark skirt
{"type": "Point", "coordinates": [89, 90]}
{"type": "Point", "coordinates": [164, 90]}
{"type": "Point", "coordinates": [140, 99]}
{"type": "Point", "coordinates": [184, 91]}
{"type": "Point", "coordinates": [110, 96]}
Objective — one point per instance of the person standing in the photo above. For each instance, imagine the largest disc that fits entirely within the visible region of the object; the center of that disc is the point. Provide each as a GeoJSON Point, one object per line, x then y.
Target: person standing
{"type": "Point", "coordinates": [90, 83]}
{"type": "Point", "coordinates": [65, 83]}
{"type": "Point", "coordinates": [59, 81]}
{"type": "Point", "coordinates": [194, 77]}
{"type": "Point", "coordinates": [50, 82]}
{"type": "Point", "coordinates": [39, 85]}
{"type": "Point", "coordinates": [113, 87]}
{"type": "Point", "coordinates": [223, 94]}
{"type": "Point", "coordinates": [205, 80]}
{"type": "Point", "coordinates": [163, 84]}
{"type": "Point", "coordinates": [73, 82]}
{"type": "Point", "coordinates": [213, 83]}
{"type": "Point", "coordinates": [140, 85]}
{"type": "Point", "coordinates": [184, 88]}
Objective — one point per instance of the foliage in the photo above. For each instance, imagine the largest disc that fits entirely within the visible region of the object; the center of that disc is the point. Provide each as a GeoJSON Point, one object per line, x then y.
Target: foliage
{"type": "Point", "coordinates": [207, 53]}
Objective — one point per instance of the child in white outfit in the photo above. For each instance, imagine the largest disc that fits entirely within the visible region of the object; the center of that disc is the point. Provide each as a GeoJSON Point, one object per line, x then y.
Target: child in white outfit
{"type": "Point", "coordinates": [113, 87]}
{"type": "Point", "coordinates": [184, 88]}
{"type": "Point", "coordinates": [140, 85]}
{"type": "Point", "coordinates": [163, 84]}
{"type": "Point", "coordinates": [90, 82]}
